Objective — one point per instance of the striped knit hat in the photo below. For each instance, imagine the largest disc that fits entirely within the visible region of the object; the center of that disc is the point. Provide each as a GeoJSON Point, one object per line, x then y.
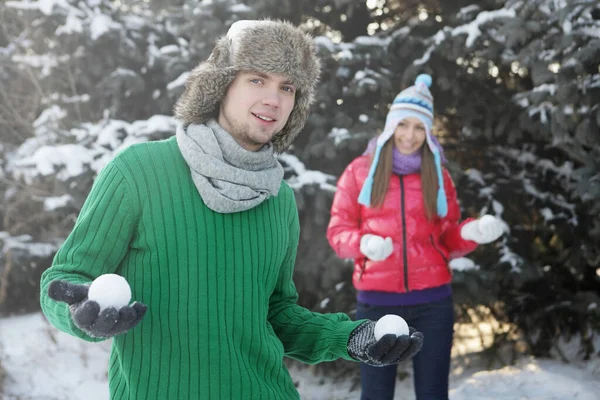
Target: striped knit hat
{"type": "Point", "coordinates": [415, 101]}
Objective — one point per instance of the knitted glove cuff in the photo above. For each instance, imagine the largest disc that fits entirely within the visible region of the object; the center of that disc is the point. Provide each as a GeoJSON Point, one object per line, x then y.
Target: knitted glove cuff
{"type": "Point", "coordinates": [360, 339]}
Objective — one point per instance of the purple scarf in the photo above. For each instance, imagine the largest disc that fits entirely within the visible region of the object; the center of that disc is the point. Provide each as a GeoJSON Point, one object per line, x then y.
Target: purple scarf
{"type": "Point", "coordinates": [406, 164]}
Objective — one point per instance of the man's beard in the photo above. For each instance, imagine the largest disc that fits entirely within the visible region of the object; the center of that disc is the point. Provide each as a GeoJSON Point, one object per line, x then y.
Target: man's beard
{"type": "Point", "coordinates": [242, 131]}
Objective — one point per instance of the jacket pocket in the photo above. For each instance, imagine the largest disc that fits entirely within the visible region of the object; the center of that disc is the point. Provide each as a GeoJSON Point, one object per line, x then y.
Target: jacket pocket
{"type": "Point", "coordinates": [362, 269]}
{"type": "Point", "coordinates": [435, 246]}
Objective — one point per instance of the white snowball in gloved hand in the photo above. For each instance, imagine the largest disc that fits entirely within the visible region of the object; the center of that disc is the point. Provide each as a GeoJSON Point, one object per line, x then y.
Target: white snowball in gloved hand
{"type": "Point", "coordinates": [484, 230]}
{"type": "Point", "coordinates": [390, 323]}
{"type": "Point", "coordinates": [110, 290]}
{"type": "Point", "coordinates": [375, 247]}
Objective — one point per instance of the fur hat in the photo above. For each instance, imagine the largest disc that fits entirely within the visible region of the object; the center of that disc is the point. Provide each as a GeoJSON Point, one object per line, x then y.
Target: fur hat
{"type": "Point", "coordinates": [414, 101]}
{"type": "Point", "coordinates": [266, 46]}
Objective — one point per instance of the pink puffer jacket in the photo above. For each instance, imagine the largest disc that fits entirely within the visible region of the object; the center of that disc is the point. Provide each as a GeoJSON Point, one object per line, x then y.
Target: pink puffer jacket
{"type": "Point", "coordinates": [422, 248]}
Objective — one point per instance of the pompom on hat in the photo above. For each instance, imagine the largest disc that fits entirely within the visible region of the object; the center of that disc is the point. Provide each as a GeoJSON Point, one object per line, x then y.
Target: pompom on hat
{"type": "Point", "coordinates": [414, 101]}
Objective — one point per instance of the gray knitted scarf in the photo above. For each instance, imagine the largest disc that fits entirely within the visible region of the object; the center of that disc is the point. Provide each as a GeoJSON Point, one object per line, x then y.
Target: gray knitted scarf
{"type": "Point", "coordinates": [228, 177]}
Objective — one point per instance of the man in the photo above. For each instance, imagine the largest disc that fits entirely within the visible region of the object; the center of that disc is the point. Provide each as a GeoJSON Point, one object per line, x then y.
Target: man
{"type": "Point", "coordinates": [205, 231]}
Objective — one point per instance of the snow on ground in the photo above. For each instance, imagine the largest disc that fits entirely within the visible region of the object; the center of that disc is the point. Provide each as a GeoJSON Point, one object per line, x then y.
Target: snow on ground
{"type": "Point", "coordinates": [41, 363]}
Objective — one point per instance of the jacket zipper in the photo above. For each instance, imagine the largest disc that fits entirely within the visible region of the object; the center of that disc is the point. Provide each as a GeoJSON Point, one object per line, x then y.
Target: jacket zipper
{"type": "Point", "coordinates": [404, 247]}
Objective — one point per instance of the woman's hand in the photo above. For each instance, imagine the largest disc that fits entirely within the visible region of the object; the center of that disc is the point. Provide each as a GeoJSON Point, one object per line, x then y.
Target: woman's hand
{"type": "Point", "coordinates": [375, 247]}
{"type": "Point", "coordinates": [484, 230]}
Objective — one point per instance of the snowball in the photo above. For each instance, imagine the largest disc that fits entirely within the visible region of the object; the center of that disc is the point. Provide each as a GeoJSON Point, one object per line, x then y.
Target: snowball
{"type": "Point", "coordinates": [390, 323]}
{"type": "Point", "coordinates": [110, 290]}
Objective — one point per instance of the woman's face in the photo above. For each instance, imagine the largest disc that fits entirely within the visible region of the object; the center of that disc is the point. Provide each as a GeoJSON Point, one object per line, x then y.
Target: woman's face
{"type": "Point", "coordinates": [409, 135]}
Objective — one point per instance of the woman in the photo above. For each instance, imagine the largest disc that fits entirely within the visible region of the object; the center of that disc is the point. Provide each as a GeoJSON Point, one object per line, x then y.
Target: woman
{"type": "Point", "coordinates": [396, 214]}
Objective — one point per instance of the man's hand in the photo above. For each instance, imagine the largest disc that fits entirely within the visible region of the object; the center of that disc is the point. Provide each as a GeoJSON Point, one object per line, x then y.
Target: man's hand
{"type": "Point", "coordinates": [88, 316]}
{"type": "Point", "coordinates": [483, 230]}
{"type": "Point", "coordinates": [375, 247]}
{"type": "Point", "coordinates": [388, 350]}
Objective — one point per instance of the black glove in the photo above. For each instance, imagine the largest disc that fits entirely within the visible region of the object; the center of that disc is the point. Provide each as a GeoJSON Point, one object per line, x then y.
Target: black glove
{"type": "Point", "coordinates": [388, 350]}
{"type": "Point", "coordinates": [88, 317]}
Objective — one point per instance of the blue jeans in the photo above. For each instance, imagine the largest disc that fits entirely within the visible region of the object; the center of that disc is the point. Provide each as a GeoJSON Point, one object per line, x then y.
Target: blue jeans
{"type": "Point", "coordinates": [431, 365]}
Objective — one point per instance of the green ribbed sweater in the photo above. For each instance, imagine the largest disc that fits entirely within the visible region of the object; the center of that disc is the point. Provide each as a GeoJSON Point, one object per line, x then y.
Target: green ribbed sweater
{"type": "Point", "coordinates": [222, 309]}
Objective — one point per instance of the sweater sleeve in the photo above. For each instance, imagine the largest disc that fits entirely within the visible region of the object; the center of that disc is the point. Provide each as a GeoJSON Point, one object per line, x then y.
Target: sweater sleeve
{"type": "Point", "coordinates": [307, 336]}
{"type": "Point", "coordinates": [344, 231]}
{"type": "Point", "coordinates": [98, 242]}
{"type": "Point", "coordinates": [450, 233]}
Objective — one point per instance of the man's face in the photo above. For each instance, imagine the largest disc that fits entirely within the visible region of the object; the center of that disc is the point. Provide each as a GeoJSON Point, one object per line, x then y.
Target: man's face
{"type": "Point", "coordinates": [256, 107]}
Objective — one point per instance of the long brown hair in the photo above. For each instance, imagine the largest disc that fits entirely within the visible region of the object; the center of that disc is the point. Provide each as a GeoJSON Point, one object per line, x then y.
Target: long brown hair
{"type": "Point", "coordinates": [429, 182]}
